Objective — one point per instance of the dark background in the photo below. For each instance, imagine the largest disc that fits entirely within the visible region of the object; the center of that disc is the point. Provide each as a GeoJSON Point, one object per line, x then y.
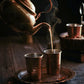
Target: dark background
{"type": "Point", "coordinates": [68, 13]}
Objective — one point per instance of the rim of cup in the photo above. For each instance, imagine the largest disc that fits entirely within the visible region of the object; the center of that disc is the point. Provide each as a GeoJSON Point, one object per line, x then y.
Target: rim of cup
{"type": "Point", "coordinates": [52, 51]}
{"type": "Point", "coordinates": [74, 25]}
{"type": "Point", "coordinates": [33, 55]}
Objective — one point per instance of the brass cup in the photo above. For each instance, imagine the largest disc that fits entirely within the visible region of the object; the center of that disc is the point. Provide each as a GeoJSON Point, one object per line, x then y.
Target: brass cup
{"type": "Point", "coordinates": [74, 30]}
{"type": "Point", "coordinates": [33, 65]}
{"type": "Point", "coordinates": [53, 61]}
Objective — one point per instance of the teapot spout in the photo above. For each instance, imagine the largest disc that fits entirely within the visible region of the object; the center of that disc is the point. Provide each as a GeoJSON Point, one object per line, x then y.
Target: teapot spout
{"type": "Point", "coordinates": [40, 25]}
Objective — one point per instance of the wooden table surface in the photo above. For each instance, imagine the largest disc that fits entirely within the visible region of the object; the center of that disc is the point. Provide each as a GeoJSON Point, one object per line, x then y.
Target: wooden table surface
{"type": "Point", "coordinates": [12, 52]}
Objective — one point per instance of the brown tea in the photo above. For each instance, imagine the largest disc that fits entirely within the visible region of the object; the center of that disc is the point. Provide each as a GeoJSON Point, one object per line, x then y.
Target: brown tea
{"type": "Point", "coordinates": [51, 38]}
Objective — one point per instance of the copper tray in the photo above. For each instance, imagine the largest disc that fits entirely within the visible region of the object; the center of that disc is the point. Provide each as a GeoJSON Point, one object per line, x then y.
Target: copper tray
{"type": "Point", "coordinates": [66, 74]}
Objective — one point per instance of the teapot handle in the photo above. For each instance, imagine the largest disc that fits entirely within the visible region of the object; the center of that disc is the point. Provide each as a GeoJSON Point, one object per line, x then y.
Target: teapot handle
{"type": "Point", "coordinates": [81, 9]}
{"type": "Point", "coordinates": [45, 11]}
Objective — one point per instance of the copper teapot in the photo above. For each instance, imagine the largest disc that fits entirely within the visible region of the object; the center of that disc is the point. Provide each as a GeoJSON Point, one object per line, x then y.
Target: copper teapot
{"type": "Point", "coordinates": [21, 16]}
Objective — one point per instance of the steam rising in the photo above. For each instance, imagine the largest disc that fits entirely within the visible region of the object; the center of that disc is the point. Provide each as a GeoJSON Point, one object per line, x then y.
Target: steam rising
{"type": "Point", "coordinates": [53, 20]}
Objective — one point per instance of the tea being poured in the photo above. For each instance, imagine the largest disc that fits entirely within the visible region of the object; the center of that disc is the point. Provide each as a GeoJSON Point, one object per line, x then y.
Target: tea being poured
{"type": "Point", "coordinates": [51, 38]}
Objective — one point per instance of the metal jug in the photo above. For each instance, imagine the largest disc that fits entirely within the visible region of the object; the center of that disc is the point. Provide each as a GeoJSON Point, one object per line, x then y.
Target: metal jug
{"type": "Point", "coordinates": [21, 16]}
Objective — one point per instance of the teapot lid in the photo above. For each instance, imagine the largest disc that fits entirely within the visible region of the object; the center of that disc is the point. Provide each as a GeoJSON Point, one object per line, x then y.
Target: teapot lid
{"type": "Point", "coordinates": [27, 5]}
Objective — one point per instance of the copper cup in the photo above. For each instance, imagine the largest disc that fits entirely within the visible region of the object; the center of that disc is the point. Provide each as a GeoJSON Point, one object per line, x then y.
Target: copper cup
{"type": "Point", "coordinates": [74, 30]}
{"type": "Point", "coordinates": [33, 65]}
{"type": "Point", "coordinates": [53, 61]}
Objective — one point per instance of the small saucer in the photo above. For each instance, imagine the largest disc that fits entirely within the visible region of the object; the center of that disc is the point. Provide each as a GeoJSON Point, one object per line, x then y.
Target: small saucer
{"type": "Point", "coordinates": [65, 75]}
{"type": "Point", "coordinates": [66, 36]}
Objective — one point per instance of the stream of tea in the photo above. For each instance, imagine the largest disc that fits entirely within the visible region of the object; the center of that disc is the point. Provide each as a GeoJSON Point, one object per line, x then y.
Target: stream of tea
{"type": "Point", "coordinates": [51, 38]}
